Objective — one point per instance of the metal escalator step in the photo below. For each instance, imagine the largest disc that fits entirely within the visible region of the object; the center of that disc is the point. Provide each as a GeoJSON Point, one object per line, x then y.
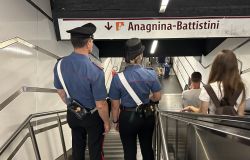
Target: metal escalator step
{"type": "Point", "coordinates": [171, 156]}
{"type": "Point", "coordinates": [108, 156]}
{"type": "Point", "coordinates": [117, 147]}
{"type": "Point", "coordinates": [116, 156]}
{"type": "Point", "coordinates": [112, 148]}
{"type": "Point", "coordinates": [112, 139]}
{"type": "Point", "coordinates": [112, 143]}
{"type": "Point", "coordinates": [114, 151]}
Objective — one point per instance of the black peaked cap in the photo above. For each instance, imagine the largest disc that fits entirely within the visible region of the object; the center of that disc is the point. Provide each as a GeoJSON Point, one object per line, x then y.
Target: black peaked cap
{"type": "Point", "coordinates": [85, 31]}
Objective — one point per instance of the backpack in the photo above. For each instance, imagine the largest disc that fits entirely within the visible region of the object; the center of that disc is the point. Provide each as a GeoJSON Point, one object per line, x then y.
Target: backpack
{"type": "Point", "coordinates": [223, 106]}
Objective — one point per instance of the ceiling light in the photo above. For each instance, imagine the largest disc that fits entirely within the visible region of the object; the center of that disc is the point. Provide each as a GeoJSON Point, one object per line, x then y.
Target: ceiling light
{"type": "Point", "coordinates": [153, 47]}
{"type": "Point", "coordinates": [164, 4]}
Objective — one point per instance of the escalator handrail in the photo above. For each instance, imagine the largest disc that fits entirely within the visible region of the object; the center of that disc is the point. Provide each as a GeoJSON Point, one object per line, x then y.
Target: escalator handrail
{"type": "Point", "coordinates": [222, 117]}
{"type": "Point", "coordinates": [238, 132]}
{"type": "Point", "coordinates": [232, 121]}
{"type": "Point", "coordinates": [164, 144]}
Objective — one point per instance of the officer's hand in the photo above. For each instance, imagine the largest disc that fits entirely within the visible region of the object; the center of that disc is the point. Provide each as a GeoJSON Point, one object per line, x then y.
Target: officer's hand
{"type": "Point", "coordinates": [78, 109]}
{"type": "Point", "coordinates": [106, 128]}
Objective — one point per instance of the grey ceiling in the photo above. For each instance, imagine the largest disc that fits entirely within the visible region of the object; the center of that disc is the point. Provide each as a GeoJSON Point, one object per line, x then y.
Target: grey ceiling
{"type": "Point", "coordinates": [149, 8]}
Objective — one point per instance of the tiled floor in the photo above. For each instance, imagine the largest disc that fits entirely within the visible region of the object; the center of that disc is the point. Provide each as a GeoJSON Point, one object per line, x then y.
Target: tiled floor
{"type": "Point", "coordinates": [171, 93]}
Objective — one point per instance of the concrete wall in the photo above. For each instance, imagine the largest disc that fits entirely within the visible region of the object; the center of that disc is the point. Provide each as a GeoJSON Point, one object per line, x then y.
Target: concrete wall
{"type": "Point", "coordinates": [20, 66]}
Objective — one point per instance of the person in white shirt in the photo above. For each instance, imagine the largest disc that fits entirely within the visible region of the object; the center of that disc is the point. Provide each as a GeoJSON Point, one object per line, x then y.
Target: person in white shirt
{"type": "Point", "coordinates": [225, 80]}
{"type": "Point", "coordinates": [191, 97]}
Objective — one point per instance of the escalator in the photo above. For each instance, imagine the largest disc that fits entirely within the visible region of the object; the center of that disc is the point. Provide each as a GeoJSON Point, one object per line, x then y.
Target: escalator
{"type": "Point", "coordinates": [112, 148]}
{"type": "Point", "coordinates": [177, 136]}
{"type": "Point", "coordinates": [203, 137]}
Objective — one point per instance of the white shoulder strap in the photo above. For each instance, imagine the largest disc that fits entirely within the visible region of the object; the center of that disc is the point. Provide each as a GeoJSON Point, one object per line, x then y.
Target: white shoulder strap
{"type": "Point", "coordinates": [61, 78]}
{"type": "Point", "coordinates": [129, 89]}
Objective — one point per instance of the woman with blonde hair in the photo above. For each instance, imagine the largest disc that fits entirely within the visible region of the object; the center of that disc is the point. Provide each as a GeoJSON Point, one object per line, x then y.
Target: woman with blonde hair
{"type": "Point", "coordinates": [226, 83]}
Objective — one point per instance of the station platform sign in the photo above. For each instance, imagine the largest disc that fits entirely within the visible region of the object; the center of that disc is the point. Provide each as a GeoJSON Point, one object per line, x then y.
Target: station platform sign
{"type": "Point", "coordinates": [161, 28]}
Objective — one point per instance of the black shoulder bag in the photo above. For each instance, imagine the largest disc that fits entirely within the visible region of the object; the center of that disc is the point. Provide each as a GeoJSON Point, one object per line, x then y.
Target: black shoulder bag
{"type": "Point", "coordinates": [225, 106]}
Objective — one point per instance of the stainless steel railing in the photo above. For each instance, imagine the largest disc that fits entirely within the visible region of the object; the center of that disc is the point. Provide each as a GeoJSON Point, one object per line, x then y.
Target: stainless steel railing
{"type": "Point", "coordinates": [159, 139]}
{"type": "Point", "coordinates": [31, 89]}
{"type": "Point", "coordinates": [22, 90]}
{"type": "Point", "coordinates": [27, 122]}
{"type": "Point", "coordinates": [27, 44]}
{"type": "Point", "coordinates": [234, 127]}
{"type": "Point", "coordinates": [32, 133]}
{"type": "Point", "coordinates": [245, 71]}
{"type": "Point", "coordinates": [19, 40]}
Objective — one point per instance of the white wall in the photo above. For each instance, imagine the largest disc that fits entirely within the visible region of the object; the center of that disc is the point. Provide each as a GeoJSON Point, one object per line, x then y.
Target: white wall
{"type": "Point", "coordinates": [242, 54]}
{"type": "Point", "coordinates": [24, 66]}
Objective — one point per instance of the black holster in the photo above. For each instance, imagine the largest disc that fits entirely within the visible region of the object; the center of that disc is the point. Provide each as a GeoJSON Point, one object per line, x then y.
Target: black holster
{"type": "Point", "coordinates": [72, 109]}
{"type": "Point", "coordinates": [146, 110]}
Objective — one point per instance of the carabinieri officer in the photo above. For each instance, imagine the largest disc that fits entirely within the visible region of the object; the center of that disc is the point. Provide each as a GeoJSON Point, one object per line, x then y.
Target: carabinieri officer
{"type": "Point", "coordinates": [85, 83]}
{"type": "Point", "coordinates": [129, 118]}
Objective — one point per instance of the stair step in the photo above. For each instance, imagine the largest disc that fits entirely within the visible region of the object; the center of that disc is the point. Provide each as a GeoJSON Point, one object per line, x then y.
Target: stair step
{"type": "Point", "coordinates": [112, 148]}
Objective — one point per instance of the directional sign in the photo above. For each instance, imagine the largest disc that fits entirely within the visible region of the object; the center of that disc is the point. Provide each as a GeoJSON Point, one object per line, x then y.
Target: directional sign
{"type": "Point", "coordinates": [108, 27]}
{"type": "Point", "coordinates": [157, 28]}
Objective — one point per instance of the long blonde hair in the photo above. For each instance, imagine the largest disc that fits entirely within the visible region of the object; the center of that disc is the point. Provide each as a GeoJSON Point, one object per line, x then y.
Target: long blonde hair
{"type": "Point", "coordinates": [225, 70]}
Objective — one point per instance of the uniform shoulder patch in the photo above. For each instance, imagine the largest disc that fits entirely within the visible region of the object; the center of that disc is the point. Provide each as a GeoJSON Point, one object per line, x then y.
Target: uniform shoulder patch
{"type": "Point", "coordinates": [98, 66]}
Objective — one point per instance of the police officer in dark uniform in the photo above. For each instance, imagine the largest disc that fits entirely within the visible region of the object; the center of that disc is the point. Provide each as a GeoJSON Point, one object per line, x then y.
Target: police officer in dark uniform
{"type": "Point", "coordinates": [130, 119]}
{"type": "Point", "coordinates": [85, 83]}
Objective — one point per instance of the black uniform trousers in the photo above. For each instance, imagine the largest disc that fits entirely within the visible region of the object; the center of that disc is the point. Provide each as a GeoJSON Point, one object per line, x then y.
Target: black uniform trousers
{"type": "Point", "coordinates": [131, 125]}
{"type": "Point", "coordinates": [91, 125]}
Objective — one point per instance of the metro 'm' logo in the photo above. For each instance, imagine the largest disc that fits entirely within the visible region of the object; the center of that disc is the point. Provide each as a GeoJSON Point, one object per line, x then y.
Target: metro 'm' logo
{"type": "Point", "coordinates": [119, 25]}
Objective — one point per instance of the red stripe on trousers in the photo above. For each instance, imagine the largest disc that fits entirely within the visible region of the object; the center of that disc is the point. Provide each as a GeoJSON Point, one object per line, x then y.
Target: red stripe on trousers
{"type": "Point", "coordinates": [102, 154]}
